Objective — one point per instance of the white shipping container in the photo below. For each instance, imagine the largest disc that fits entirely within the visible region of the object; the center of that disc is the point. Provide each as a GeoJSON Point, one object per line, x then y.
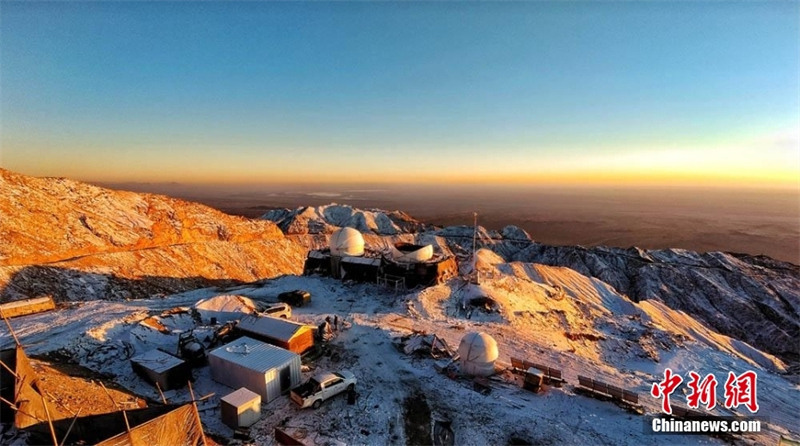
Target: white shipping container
{"type": "Point", "coordinates": [260, 367]}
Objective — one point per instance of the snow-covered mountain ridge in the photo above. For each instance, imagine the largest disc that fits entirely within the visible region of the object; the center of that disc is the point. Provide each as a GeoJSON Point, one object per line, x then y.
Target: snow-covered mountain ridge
{"type": "Point", "coordinates": [74, 240]}
{"type": "Point", "coordinates": [755, 299]}
{"type": "Point", "coordinates": [326, 219]}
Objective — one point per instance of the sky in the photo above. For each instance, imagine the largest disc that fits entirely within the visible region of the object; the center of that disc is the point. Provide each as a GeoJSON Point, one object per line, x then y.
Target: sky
{"type": "Point", "coordinates": [623, 93]}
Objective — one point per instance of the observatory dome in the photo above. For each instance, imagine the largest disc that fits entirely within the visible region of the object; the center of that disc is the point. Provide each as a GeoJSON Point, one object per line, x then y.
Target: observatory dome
{"type": "Point", "coordinates": [477, 352]}
{"type": "Point", "coordinates": [347, 242]}
{"type": "Point", "coordinates": [411, 253]}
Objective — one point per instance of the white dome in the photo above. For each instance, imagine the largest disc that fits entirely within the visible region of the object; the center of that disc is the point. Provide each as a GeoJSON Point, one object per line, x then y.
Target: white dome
{"type": "Point", "coordinates": [423, 254]}
{"type": "Point", "coordinates": [477, 354]}
{"type": "Point", "coordinates": [347, 242]}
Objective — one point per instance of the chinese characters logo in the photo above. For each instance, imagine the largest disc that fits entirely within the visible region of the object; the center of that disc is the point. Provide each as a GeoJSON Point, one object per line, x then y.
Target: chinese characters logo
{"type": "Point", "coordinates": [739, 390]}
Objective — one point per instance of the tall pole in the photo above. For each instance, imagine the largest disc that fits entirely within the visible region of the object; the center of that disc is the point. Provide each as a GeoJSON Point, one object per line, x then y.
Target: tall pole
{"type": "Point", "coordinates": [474, 244]}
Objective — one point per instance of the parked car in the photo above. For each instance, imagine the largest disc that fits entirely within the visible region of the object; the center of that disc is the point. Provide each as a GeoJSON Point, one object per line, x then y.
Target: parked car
{"type": "Point", "coordinates": [321, 387]}
{"type": "Point", "coordinates": [281, 310]}
{"type": "Point", "coordinates": [296, 298]}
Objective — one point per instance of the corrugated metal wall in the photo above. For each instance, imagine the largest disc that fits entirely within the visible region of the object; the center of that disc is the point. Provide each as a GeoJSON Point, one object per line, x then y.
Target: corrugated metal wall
{"type": "Point", "coordinates": [247, 371]}
{"type": "Point", "coordinates": [273, 378]}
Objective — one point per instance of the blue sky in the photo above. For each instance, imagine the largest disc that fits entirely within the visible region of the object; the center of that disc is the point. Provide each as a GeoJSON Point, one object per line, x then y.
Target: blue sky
{"type": "Point", "coordinates": [695, 92]}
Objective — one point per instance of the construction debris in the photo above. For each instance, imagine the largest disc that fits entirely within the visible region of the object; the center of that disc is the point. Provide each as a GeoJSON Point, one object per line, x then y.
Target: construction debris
{"type": "Point", "coordinates": [285, 439]}
{"type": "Point", "coordinates": [48, 419]}
{"type": "Point", "coordinates": [27, 401]}
{"type": "Point", "coordinates": [426, 345]}
{"type": "Point", "coordinates": [180, 426]}
{"type": "Point", "coordinates": [154, 323]}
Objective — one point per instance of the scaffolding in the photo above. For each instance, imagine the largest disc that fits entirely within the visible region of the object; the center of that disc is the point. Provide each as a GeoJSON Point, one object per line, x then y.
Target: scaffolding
{"type": "Point", "coordinates": [396, 283]}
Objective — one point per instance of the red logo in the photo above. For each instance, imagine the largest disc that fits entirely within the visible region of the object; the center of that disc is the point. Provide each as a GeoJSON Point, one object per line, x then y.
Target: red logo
{"type": "Point", "coordinates": [741, 390]}
{"type": "Point", "coordinates": [704, 392]}
{"type": "Point", "coordinates": [665, 388]}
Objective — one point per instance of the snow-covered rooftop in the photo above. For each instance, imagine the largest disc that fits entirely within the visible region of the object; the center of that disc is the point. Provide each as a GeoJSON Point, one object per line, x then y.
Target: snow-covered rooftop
{"type": "Point", "coordinates": [252, 354]}
{"type": "Point", "coordinates": [272, 327]}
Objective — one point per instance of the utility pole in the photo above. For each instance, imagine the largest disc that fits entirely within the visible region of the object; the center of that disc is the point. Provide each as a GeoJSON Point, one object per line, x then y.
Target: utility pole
{"type": "Point", "coordinates": [474, 247]}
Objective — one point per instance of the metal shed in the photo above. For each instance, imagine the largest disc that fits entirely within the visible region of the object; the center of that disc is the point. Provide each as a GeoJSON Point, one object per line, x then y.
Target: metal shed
{"type": "Point", "coordinates": [260, 367]}
{"type": "Point", "coordinates": [241, 408]}
{"type": "Point", "coordinates": [288, 335]}
{"type": "Point", "coordinates": [170, 372]}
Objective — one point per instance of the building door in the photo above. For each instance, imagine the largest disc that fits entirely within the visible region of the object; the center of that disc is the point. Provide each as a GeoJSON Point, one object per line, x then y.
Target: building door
{"type": "Point", "coordinates": [286, 379]}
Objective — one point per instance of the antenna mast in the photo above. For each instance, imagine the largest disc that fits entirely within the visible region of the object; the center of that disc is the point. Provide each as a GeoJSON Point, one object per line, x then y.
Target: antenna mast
{"type": "Point", "coordinates": [474, 246]}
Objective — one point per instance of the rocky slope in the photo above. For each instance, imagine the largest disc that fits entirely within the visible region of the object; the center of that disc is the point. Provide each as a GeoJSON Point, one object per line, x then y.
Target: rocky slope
{"type": "Point", "coordinates": [755, 299]}
{"type": "Point", "coordinates": [326, 219]}
{"type": "Point", "coordinates": [67, 238]}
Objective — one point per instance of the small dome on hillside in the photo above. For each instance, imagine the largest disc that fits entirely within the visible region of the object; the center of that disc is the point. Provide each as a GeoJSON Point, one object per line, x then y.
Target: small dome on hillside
{"type": "Point", "coordinates": [347, 242]}
{"type": "Point", "coordinates": [478, 352]}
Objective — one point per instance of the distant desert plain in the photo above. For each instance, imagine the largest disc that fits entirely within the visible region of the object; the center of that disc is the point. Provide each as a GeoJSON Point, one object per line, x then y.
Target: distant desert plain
{"type": "Point", "coordinates": [752, 221]}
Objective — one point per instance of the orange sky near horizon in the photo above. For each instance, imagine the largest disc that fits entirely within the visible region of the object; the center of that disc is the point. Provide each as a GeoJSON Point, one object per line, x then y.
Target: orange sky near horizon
{"type": "Point", "coordinates": [772, 162]}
